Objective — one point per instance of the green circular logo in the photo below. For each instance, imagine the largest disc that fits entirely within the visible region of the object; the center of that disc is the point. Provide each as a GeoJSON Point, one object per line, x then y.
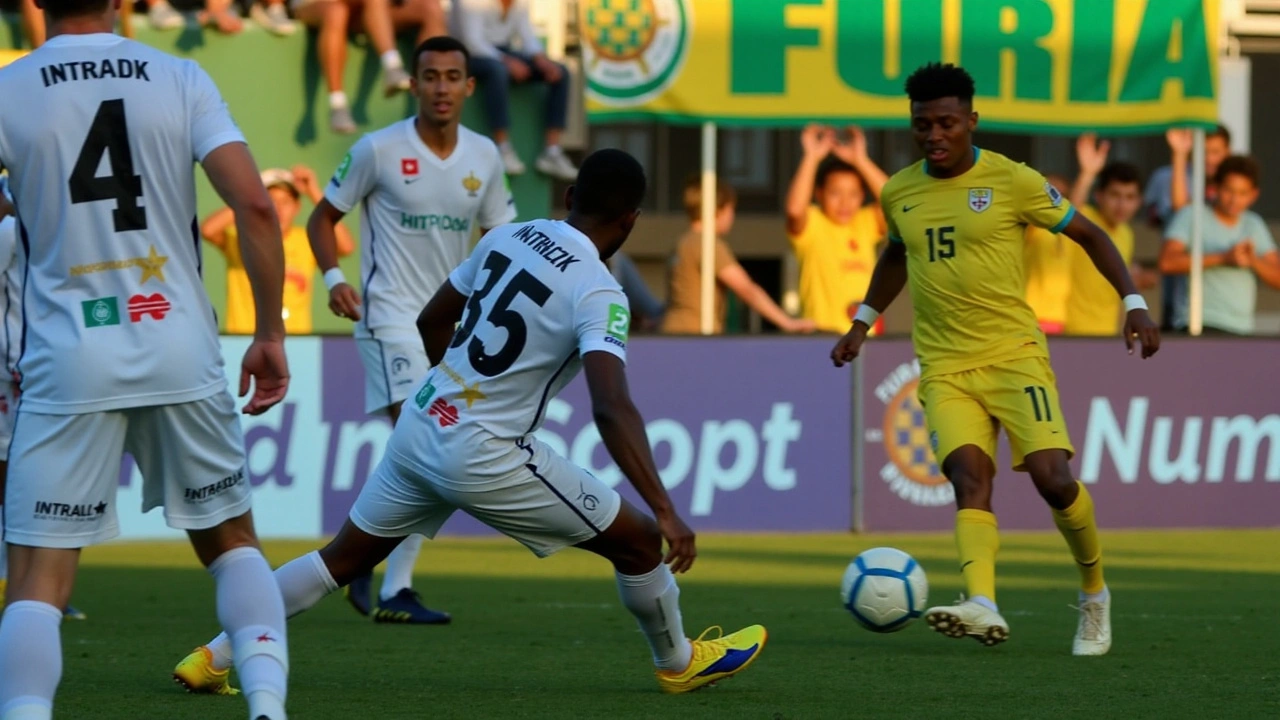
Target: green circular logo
{"type": "Point", "coordinates": [634, 49]}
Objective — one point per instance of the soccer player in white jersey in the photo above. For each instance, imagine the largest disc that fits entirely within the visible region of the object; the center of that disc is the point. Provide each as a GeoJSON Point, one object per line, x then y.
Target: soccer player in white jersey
{"type": "Point", "coordinates": [422, 186]}
{"type": "Point", "coordinates": [537, 305]}
{"type": "Point", "coordinates": [120, 348]}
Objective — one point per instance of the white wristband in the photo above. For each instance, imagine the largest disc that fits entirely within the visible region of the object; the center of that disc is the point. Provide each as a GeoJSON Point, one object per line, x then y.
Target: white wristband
{"type": "Point", "coordinates": [334, 276]}
{"type": "Point", "coordinates": [866, 314]}
{"type": "Point", "coordinates": [1134, 302]}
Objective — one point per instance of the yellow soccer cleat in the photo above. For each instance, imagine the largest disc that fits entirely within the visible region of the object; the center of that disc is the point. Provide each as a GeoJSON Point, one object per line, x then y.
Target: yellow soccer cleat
{"type": "Point", "coordinates": [197, 674]}
{"type": "Point", "coordinates": [715, 659]}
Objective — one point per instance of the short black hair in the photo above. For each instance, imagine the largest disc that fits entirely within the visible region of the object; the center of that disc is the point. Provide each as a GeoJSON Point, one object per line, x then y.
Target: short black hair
{"type": "Point", "coordinates": [442, 43]}
{"type": "Point", "coordinates": [58, 9]}
{"type": "Point", "coordinates": [1242, 165]}
{"type": "Point", "coordinates": [1221, 131]}
{"type": "Point", "coordinates": [832, 165]}
{"type": "Point", "coordinates": [611, 183]}
{"type": "Point", "coordinates": [1119, 172]}
{"type": "Point", "coordinates": [936, 80]}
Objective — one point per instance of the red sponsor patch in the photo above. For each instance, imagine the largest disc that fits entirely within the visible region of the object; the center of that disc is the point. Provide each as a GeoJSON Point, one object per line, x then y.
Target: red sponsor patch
{"type": "Point", "coordinates": [447, 414]}
{"type": "Point", "coordinates": [408, 166]}
{"type": "Point", "coordinates": [154, 305]}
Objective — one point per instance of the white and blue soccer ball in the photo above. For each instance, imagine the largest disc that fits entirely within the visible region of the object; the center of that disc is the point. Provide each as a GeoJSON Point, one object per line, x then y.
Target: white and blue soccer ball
{"type": "Point", "coordinates": [885, 589]}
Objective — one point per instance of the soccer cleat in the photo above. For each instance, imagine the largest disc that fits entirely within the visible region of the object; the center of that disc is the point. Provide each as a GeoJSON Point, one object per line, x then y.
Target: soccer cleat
{"type": "Point", "coordinates": [359, 591]}
{"type": "Point", "coordinates": [715, 659]}
{"type": "Point", "coordinates": [969, 618]}
{"type": "Point", "coordinates": [197, 674]}
{"type": "Point", "coordinates": [71, 613]}
{"type": "Point", "coordinates": [406, 608]}
{"type": "Point", "coordinates": [1093, 633]}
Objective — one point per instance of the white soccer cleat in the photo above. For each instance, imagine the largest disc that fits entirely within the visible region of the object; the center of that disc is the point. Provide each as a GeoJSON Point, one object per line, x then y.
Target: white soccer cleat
{"type": "Point", "coordinates": [971, 619]}
{"type": "Point", "coordinates": [1093, 633]}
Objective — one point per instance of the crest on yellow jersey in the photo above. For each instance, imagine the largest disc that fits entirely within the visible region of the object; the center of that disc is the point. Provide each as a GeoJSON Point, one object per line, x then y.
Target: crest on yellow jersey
{"type": "Point", "coordinates": [979, 199]}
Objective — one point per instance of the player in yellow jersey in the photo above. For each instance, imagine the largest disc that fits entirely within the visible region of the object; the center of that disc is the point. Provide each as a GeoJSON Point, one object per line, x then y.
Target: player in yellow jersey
{"type": "Point", "coordinates": [956, 224]}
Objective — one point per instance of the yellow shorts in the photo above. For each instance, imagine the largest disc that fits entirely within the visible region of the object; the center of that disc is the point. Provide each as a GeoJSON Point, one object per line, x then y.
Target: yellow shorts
{"type": "Point", "coordinates": [968, 408]}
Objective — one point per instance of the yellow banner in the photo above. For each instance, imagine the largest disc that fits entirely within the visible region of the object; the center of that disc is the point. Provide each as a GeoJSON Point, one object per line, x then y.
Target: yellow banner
{"type": "Point", "coordinates": [1118, 66]}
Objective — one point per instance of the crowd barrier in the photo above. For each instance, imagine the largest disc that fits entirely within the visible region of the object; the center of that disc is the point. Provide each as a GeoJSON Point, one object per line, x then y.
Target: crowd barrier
{"type": "Point", "coordinates": [762, 434]}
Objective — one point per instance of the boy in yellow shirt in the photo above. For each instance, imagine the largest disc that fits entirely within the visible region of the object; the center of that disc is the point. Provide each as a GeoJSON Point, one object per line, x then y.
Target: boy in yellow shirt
{"type": "Point", "coordinates": [219, 229]}
{"type": "Point", "coordinates": [833, 233]}
{"type": "Point", "coordinates": [1048, 271]}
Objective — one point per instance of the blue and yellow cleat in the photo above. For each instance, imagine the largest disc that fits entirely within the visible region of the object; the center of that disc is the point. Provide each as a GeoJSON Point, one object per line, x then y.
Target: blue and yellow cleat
{"type": "Point", "coordinates": [407, 608]}
{"type": "Point", "coordinates": [197, 674]}
{"type": "Point", "coordinates": [359, 591]}
{"type": "Point", "coordinates": [71, 613]}
{"type": "Point", "coordinates": [715, 659]}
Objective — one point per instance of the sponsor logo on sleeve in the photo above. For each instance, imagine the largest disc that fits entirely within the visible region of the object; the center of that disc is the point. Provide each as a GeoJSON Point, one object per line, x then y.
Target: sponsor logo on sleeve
{"type": "Point", "coordinates": [343, 168]}
{"type": "Point", "coordinates": [1055, 197]}
{"type": "Point", "coordinates": [619, 325]}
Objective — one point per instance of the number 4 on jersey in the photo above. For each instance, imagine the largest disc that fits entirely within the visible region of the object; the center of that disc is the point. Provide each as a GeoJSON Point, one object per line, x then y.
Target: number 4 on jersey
{"type": "Point", "coordinates": [109, 135]}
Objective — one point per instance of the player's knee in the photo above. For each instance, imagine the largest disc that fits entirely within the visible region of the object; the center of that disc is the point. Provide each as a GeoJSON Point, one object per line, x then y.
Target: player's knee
{"type": "Point", "coordinates": [1053, 480]}
{"type": "Point", "coordinates": [643, 552]}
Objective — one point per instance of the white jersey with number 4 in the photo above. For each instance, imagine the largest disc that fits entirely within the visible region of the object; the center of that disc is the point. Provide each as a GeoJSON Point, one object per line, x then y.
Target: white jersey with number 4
{"type": "Point", "coordinates": [539, 298]}
{"type": "Point", "coordinates": [99, 134]}
{"type": "Point", "coordinates": [417, 213]}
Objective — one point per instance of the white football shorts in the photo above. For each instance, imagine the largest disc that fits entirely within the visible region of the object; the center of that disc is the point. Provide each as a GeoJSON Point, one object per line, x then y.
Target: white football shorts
{"type": "Point", "coordinates": [392, 370]}
{"type": "Point", "coordinates": [64, 470]}
{"type": "Point", "coordinates": [555, 505]}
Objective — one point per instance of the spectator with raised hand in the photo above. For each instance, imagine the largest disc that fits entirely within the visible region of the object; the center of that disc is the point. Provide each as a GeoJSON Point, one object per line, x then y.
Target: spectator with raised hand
{"type": "Point", "coordinates": [834, 225]}
{"type": "Point", "coordinates": [1092, 309]}
{"type": "Point", "coordinates": [286, 188]}
{"type": "Point", "coordinates": [490, 28]}
{"type": "Point", "coordinates": [380, 20]}
{"type": "Point", "coordinates": [1238, 249]}
{"type": "Point", "coordinates": [684, 295]}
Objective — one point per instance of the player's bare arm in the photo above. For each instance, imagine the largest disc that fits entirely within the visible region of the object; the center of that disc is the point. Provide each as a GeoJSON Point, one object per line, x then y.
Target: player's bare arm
{"type": "Point", "coordinates": [887, 281]}
{"type": "Point", "coordinates": [344, 301]}
{"type": "Point", "coordinates": [1102, 251]}
{"type": "Point", "coordinates": [235, 177]}
{"type": "Point", "coordinates": [622, 430]}
{"type": "Point", "coordinates": [438, 319]}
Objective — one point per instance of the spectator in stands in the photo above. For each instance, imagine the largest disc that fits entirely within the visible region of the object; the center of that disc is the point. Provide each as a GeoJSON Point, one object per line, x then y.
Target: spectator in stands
{"type": "Point", "coordinates": [646, 310]}
{"type": "Point", "coordinates": [1238, 249]}
{"type": "Point", "coordinates": [1048, 273]}
{"type": "Point", "coordinates": [32, 23]}
{"type": "Point", "coordinates": [217, 14]}
{"type": "Point", "coordinates": [380, 19]}
{"type": "Point", "coordinates": [489, 28]}
{"type": "Point", "coordinates": [286, 189]}
{"type": "Point", "coordinates": [1168, 191]}
{"type": "Point", "coordinates": [1093, 307]}
{"type": "Point", "coordinates": [684, 296]}
{"type": "Point", "coordinates": [273, 16]}
{"type": "Point", "coordinates": [833, 229]}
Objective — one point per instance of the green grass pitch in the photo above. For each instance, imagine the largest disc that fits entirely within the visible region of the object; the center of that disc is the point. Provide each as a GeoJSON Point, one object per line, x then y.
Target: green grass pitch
{"type": "Point", "coordinates": [1195, 636]}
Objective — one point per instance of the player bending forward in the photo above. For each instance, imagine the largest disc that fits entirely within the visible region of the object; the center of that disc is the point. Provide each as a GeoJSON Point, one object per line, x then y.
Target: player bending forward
{"type": "Point", "coordinates": [540, 305]}
{"type": "Point", "coordinates": [120, 347]}
{"type": "Point", "coordinates": [956, 222]}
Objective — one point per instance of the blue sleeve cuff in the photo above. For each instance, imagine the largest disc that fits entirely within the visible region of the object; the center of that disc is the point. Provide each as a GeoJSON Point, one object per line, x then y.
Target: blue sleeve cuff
{"type": "Point", "coordinates": [1066, 220]}
{"type": "Point", "coordinates": [894, 238]}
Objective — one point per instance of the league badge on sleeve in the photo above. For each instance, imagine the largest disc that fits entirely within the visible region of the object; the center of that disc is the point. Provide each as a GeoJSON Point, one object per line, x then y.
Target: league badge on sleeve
{"type": "Point", "coordinates": [979, 199]}
{"type": "Point", "coordinates": [1055, 197]}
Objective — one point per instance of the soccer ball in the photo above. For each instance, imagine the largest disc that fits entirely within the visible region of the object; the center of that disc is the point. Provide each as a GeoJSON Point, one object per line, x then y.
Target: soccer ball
{"type": "Point", "coordinates": [885, 589]}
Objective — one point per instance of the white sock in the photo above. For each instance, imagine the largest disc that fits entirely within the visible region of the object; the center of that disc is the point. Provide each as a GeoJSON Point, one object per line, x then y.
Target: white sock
{"type": "Point", "coordinates": [400, 567]}
{"type": "Point", "coordinates": [985, 602]}
{"type": "Point", "coordinates": [1095, 597]}
{"type": "Point", "coordinates": [30, 660]}
{"type": "Point", "coordinates": [654, 598]}
{"type": "Point", "coordinates": [391, 60]}
{"type": "Point", "coordinates": [252, 613]}
{"type": "Point", "coordinates": [303, 582]}
{"type": "Point", "coordinates": [337, 100]}
{"type": "Point", "coordinates": [4, 551]}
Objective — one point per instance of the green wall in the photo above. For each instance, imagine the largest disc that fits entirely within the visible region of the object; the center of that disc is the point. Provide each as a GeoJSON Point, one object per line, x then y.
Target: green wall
{"type": "Point", "coordinates": [275, 91]}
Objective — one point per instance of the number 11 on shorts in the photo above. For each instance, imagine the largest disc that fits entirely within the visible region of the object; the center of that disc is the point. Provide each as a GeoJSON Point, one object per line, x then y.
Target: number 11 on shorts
{"type": "Point", "coordinates": [1039, 401]}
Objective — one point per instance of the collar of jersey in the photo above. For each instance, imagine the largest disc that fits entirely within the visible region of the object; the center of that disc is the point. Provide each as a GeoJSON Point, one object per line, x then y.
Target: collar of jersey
{"type": "Point", "coordinates": [576, 234]}
{"type": "Point", "coordinates": [86, 39]}
{"type": "Point", "coordinates": [977, 155]}
{"type": "Point", "coordinates": [416, 141]}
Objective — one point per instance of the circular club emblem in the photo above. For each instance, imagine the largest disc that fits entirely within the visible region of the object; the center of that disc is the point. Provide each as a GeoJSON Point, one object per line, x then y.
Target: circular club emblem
{"type": "Point", "coordinates": [101, 312]}
{"type": "Point", "coordinates": [907, 440]}
{"type": "Point", "coordinates": [634, 48]}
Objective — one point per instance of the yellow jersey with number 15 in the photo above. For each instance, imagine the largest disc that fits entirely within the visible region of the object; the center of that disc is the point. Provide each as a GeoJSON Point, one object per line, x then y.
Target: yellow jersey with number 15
{"type": "Point", "coordinates": [964, 238]}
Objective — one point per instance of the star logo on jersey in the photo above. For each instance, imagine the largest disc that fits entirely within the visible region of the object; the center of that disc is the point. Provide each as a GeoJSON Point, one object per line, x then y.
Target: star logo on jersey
{"type": "Point", "coordinates": [979, 199]}
{"type": "Point", "coordinates": [470, 393]}
{"type": "Point", "coordinates": [155, 306]}
{"type": "Point", "coordinates": [472, 184]}
{"type": "Point", "coordinates": [446, 414]}
{"type": "Point", "coordinates": [101, 312]}
{"type": "Point", "coordinates": [152, 265]}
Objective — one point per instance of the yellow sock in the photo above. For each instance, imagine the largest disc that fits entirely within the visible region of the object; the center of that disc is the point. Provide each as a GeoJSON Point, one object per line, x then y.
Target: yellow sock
{"type": "Point", "coordinates": [977, 541]}
{"type": "Point", "coordinates": [1077, 525]}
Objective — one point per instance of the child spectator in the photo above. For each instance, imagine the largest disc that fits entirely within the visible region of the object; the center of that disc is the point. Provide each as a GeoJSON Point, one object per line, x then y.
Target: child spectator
{"type": "Point", "coordinates": [1093, 307]}
{"type": "Point", "coordinates": [833, 230]}
{"type": "Point", "coordinates": [684, 297]}
{"type": "Point", "coordinates": [286, 189]}
{"type": "Point", "coordinates": [1238, 249]}
{"type": "Point", "coordinates": [1048, 272]}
